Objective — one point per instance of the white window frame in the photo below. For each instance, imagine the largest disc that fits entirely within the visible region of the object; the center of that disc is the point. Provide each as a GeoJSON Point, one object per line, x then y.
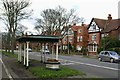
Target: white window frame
{"type": "Point", "coordinates": [94, 37]}
{"type": "Point", "coordinates": [70, 39]}
{"type": "Point", "coordinates": [94, 48]}
{"type": "Point", "coordinates": [78, 39]}
{"type": "Point", "coordinates": [81, 38]}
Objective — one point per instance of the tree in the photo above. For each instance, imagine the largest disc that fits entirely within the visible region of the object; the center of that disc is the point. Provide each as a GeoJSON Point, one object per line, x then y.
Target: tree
{"type": "Point", "coordinates": [109, 44]}
{"type": "Point", "coordinates": [54, 19]}
{"type": "Point", "coordinates": [13, 11]}
{"type": "Point", "coordinates": [20, 30]}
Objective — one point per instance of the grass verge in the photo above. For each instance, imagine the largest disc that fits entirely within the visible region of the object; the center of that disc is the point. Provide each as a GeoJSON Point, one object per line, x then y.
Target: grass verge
{"type": "Point", "coordinates": [9, 54]}
{"type": "Point", "coordinates": [42, 72]}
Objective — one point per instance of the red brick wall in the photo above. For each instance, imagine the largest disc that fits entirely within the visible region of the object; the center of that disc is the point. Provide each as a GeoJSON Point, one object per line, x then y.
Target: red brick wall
{"type": "Point", "coordinates": [97, 37]}
{"type": "Point", "coordinates": [84, 33]}
{"type": "Point", "coordinates": [66, 42]}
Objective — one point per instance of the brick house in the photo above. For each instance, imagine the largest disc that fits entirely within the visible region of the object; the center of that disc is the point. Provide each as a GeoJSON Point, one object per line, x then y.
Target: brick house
{"type": "Point", "coordinates": [98, 28]}
{"type": "Point", "coordinates": [77, 36]}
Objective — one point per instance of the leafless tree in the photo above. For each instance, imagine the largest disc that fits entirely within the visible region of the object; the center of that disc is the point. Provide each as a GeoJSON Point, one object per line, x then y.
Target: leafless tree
{"type": "Point", "coordinates": [54, 19]}
{"type": "Point", "coordinates": [13, 11]}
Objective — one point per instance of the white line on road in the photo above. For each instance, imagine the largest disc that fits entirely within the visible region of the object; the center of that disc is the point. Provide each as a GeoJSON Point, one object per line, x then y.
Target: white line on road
{"type": "Point", "coordinates": [67, 64]}
{"type": "Point", "coordinates": [88, 64]}
{"type": "Point", "coordinates": [92, 65]}
{"type": "Point", "coordinates": [10, 77]}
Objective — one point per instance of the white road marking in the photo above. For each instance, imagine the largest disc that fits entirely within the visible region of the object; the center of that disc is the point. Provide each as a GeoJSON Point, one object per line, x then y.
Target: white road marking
{"type": "Point", "coordinates": [88, 64]}
{"type": "Point", "coordinates": [92, 65]}
{"type": "Point", "coordinates": [67, 63]}
{"type": "Point", "coordinates": [10, 77]}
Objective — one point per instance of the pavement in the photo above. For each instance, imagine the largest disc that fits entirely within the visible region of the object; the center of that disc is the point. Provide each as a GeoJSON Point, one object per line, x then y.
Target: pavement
{"type": "Point", "coordinates": [15, 69]}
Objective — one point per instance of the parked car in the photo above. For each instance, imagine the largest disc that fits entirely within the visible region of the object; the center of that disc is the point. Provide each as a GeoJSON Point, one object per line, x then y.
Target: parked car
{"type": "Point", "coordinates": [29, 49]}
{"type": "Point", "coordinates": [45, 51]}
{"type": "Point", "coordinates": [109, 56]}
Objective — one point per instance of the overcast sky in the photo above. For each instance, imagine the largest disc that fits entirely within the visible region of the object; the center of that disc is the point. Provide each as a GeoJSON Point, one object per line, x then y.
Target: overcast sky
{"type": "Point", "coordinates": [84, 8]}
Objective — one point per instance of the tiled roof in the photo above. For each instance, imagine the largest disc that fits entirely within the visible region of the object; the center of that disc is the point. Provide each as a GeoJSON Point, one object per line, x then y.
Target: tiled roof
{"type": "Point", "coordinates": [107, 25]}
{"type": "Point", "coordinates": [74, 27]}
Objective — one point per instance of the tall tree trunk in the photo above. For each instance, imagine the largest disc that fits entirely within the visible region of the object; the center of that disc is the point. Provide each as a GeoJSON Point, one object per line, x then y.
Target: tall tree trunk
{"type": "Point", "coordinates": [8, 42]}
{"type": "Point", "coordinates": [13, 42]}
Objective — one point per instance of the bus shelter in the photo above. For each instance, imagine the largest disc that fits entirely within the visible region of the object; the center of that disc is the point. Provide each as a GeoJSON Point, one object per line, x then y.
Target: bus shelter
{"type": "Point", "coordinates": [25, 40]}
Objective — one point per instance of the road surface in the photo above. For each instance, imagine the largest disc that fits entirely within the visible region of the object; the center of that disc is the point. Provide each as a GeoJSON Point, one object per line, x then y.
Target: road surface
{"type": "Point", "coordinates": [92, 67]}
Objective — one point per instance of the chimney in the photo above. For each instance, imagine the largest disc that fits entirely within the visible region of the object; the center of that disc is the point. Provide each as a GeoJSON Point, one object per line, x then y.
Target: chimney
{"type": "Point", "coordinates": [82, 24]}
{"type": "Point", "coordinates": [74, 24]}
{"type": "Point", "coordinates": [109, 17]}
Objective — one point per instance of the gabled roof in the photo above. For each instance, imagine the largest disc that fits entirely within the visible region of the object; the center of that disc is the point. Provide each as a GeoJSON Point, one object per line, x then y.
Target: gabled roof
{"type": "Point", "coordinates": [106, 25]}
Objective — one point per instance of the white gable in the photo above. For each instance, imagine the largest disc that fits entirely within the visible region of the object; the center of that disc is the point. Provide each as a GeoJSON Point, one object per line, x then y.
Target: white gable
{"type": "Point", "coordinates": [70, 32]}
{"type": "Point", "coordinates": [93, 27]}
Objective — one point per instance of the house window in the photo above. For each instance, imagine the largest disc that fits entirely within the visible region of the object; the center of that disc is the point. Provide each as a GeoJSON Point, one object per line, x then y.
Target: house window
{"type": "Point", "coordinates": [70, 39]}
{"type": "Point", "coordinates": [102, 35]}
{"type": "Point", "coordinates": [78, 39]}
{"type": "Point", "coordinates": [70, 31]}
{"type": "Point", "coordinates": [79, 31]}
{"type": "Point", "coordinates": [65, 39]}
{"type": "Point", "coordinates": [79, 47]}
{"type": "Point", "coordinates": [94, 37]}
{"type": "Point", "coordinates": [81, 38]}
{"type": "Point", "coordinates": [92, 48]}
{"type": "Point", "coordinates": [94, 27]}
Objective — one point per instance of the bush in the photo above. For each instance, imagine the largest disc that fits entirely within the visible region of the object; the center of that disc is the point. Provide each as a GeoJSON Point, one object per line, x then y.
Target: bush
{"type": "Point", "coordinates": [84, 50]}
{"type": "Point", "coordinates": [99, 50]}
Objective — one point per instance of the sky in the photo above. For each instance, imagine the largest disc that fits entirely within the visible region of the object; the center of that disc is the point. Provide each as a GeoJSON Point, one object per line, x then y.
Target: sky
{"type": "Point", "coordinates": [84, 8]}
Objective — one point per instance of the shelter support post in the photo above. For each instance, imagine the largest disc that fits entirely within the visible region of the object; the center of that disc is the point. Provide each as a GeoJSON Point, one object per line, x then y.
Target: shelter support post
{"type": "Point", "coordinates": [52, 50]}
{"type": "Point", "coordinates": [24, 53]}
{"type": "Point", "coordinates": [20, 56]}
{"type": "Point", "coordinates": [44, 51]}
{"type": "Point", "coordinates": [27, 64]}
{"type": "Point", "coordinates": [18, 52]}
{"type": "Point", "coordinates": [56, 51]}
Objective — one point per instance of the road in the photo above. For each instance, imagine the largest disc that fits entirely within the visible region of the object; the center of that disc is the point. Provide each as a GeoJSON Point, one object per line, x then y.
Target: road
{"type": "Point", "coordinates": [92, 67]}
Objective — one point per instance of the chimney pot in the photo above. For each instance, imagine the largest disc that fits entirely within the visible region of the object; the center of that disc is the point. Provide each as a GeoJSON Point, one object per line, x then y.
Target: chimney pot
{"type": "Point", "coordinates": [109, 17]}
{"type": "Point", "coordinates": [74, 24]}
{"type": "Point", "coordinates": [82, 23]}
